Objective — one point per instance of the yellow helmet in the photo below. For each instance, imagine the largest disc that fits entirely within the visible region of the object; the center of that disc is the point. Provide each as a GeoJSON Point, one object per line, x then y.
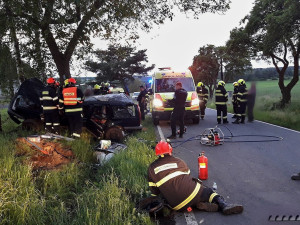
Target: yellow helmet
{"type": "Point", "coordinates": [235, 84]}
{"type": "Point", "coordinates": [221, 83]}
{"type": "Point", "coordinates": [200, 84]}
{"type": "Point", "coordinates": [241, 81]}
{"type": "Point", "coordinates": [96, 86]}
{"type": "Point", "coordinates": [107, 84]}
{"type": "Point", "coordinates": [66, 82]}
{"type": "Point", "coordinates": [102, 84]}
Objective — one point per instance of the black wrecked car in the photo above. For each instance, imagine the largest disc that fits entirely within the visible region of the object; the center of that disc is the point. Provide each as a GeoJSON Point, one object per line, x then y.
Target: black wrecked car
{"type": "Point", "coordinates": [105, 116]}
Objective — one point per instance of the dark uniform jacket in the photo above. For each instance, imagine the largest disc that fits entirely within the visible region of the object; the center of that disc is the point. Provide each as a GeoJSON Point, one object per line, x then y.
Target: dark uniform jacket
{"type": "Point", "coordinates": [234, 95]}
{"type": "Point", "coordinates": [202, 94]}
{"type": "Point", "coordinates": [104, 90]}
{"type": "Point", "coordinates": [73, 103]}
{"type": "Point", "coordinates": [221, 95]}
{"type": "Point", "coordinates": [49, 99]}
{"type": "Point", "coordinates": [170, 176]}
{"type": "Point", "coordinates": [141, 95]}
{"type": "Point", "coordinates": [179, 99]}
{"type": "Point", "coordinates": [242, 95]}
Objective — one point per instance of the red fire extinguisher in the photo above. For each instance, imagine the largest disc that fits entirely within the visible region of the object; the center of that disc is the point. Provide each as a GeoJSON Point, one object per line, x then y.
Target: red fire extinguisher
{"type": "Point", "coordinates": [217, 138]}
{"type": "Point", "coordinates": [202, 166]}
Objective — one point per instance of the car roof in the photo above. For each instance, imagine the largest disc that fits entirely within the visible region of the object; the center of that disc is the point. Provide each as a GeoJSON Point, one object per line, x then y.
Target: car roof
{"type": "Point", "coordinates": [109, 99]}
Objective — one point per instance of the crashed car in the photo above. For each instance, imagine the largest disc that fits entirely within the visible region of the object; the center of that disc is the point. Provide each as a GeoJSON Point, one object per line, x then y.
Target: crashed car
{"type": "Point", "coordinates": [105, 116]}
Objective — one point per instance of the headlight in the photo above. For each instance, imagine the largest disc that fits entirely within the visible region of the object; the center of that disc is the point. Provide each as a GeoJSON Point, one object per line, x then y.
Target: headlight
{"type": "Point", "coordinates": [195, 101]}
{"type": "Point", "coordinates": [157, 103]}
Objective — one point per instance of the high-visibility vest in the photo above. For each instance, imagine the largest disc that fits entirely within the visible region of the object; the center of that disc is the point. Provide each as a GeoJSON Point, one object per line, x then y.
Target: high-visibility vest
{"type": "Point", "coordinates": [70, 96]}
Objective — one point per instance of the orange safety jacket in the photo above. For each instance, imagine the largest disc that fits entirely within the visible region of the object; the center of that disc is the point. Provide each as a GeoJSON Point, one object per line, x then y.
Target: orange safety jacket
{"type": "Point", "coordinates": [70, 96]}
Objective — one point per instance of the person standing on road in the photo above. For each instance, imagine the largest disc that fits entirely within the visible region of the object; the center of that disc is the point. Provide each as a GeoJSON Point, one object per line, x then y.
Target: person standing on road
{"type": "Point", "coordinates": [49, 102]}
{"type": "Point", "coordinates": [170, 177]}
{"type": "Point", "coordinates": [251, 101]}
{"type": "Point", "coordinates": [142, 101]}
{"type": "Point", "coordinates": [241, 101]}
{"type": "Point", "coordinates": [234, 99]}
{"type": "Point", "coordinates": [203, 97]}
{"type": "Point", "coordinates": [71, 101]}
{"type": "Point", "coordinates": [179, 110]}
{"type": "Point", "coordinates": [221, 102]}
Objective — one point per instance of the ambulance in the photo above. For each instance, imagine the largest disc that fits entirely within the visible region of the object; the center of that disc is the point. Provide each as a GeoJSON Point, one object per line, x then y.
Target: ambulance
{"type": "Point", "coordinates": [163, 89]}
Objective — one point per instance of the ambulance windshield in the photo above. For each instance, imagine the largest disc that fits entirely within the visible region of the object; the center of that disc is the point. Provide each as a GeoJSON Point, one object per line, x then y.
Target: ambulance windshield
{"type": "Point", "coordinates": [168, 84]}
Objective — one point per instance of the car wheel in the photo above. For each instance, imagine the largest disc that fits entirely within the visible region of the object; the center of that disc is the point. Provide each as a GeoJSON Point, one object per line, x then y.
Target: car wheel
{"type": "Point", "coordinates": [156, 122]}
{"type": "Point", "coordinates": [196, 120]}
{"type": "Point", "coordinates": [31, 124]}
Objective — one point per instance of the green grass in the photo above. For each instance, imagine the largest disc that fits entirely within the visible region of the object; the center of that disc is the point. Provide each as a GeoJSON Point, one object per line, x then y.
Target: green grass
{"type": "Point", "coordinates": [268, 94]}
{"type": "Point", "coordinates": [78, 193]}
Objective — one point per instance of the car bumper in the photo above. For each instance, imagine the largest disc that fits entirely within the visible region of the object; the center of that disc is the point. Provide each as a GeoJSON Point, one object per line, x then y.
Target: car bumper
{"type": "Point", "coordinates": [166, 115]}
{"type": "Point", "coordinates": [133, 128]}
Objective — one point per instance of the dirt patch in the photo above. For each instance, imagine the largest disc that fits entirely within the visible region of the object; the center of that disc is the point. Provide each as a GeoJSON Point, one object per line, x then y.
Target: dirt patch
{"type": "Point", "coordinates": [51, 155]}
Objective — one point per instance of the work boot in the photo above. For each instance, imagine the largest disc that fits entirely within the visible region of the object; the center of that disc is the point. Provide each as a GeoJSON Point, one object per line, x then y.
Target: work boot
{"type": "Point", "coordinates": [225, 121]}
{"type": "Point", "coordinates": [296, 176]}
{"type": "Point", "coordinates": [236, 121]}
{"type": "Point", "coordinates": [234, 116]}
{"type": "Point", "coordinates": [172, 137]}
{"type": "Point", "coordinates": [207, 207]}
{"type": "Point", "coordinates": [180, 135]}
{"type": "Point", "coordinates": [202, 117]}
{"type": "Point", "coordinates": [226, 208]}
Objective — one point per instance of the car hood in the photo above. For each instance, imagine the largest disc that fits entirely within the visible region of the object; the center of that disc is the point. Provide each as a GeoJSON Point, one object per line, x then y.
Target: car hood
{"type": "Point", "coordinates": [109, 99]}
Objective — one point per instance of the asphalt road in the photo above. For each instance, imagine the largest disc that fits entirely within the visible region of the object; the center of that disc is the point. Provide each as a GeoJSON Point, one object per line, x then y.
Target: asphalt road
{"type": "Point", "coordinates": [254, 174]}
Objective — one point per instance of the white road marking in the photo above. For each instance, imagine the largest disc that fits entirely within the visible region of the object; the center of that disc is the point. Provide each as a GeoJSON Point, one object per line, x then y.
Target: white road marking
{"type": "Point", "coordinates": [269, 124]}
{"type": "Point", "coordinates": [189, 217]}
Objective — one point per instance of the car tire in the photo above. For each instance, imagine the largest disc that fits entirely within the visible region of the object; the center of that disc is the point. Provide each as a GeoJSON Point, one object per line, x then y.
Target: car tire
{"type": "Point", "coordinates": [196, 120]}
{"type": "Point", "coordinates": [156, 122]}
{"type": "Point", "coordinates": [32, 124]}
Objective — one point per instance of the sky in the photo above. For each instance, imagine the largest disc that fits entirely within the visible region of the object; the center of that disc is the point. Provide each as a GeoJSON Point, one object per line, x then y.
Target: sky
{"type": "Point", "coordinates": [175, 43]}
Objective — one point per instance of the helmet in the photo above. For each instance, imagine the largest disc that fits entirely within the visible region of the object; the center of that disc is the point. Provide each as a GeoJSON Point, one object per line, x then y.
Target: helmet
{"type": "Point", "coordinates": [72, 80]}
{"type": "Point", "coordinates": [102, 84]}
{"type": "Point", "coordinates": [50, 80]}
{"type": "Point", "coordinates": [200, 84]}
{"type": "Point", "coordinates": [66, 82]}
{"type": "Point", "coordinates": [162, 148]}
{"type": "Point", "coordinates": [221, 83]}
{"type": "Point", "coordinates": [235, 84]}
{"type": "Point", "coordinates": [241, 81]}
{"type": "Point", "coordinates": [96, 86]}
{"type": "Point", "coordinates": [107, 84]}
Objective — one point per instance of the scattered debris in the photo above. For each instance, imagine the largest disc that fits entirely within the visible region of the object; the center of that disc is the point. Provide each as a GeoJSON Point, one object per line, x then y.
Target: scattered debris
{"type": "Point", "coordinates": [105, 150]}
{"type": "Point", "coordinates": [50, 154]}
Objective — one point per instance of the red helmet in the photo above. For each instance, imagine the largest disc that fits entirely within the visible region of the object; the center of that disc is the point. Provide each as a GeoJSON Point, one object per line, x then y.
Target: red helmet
{"type": "Point", "coordinates": [162, 148]}
{"type": "Point", "coordinates": [50, 80]}
{"type": "Point", "coordinates": [72, 80]}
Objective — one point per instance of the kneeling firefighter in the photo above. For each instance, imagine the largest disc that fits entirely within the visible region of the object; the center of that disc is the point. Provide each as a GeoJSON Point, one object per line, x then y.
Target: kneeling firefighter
{"type": "Point", "coordinates": [71, 101]}
{"type": "Point", "coordinates": [170, 177]}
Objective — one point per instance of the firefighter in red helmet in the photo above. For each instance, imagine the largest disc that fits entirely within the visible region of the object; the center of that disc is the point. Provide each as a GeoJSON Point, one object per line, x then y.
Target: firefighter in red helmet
{"type": "Point", "coordinates": [71, 101]}
{"type": "Point", "coordinates": [170, 177]}
{"type": "Point", "coordinates": [49, 102]}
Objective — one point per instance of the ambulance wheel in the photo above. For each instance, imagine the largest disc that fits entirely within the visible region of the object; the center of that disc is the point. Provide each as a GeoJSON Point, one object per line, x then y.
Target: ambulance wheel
{"type": "Point", "coordinates": [155, 122]}
{"type": "Point", "coordinates": [196, 120]}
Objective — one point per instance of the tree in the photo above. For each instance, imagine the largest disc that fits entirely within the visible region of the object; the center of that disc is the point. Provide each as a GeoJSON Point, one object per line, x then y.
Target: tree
{"type": "Point", "coordinates": [272, 31]}
{"type": "Point", "coordinates": [206, 66]}
{"type": "Point", "coordinates": [119, 63]}
{"type": "Point", "coordinates": [62, 28]}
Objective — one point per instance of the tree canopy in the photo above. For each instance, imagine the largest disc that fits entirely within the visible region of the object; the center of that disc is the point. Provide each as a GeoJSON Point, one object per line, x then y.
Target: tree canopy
{"type": "Point", "coordinates": [118, 63]}
{"type": "Point", "coordinates": [49, 33]}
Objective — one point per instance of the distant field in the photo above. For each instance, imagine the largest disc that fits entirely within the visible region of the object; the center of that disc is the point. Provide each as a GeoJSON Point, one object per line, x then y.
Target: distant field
{"type": "Point", "coordinates": [268, 93]}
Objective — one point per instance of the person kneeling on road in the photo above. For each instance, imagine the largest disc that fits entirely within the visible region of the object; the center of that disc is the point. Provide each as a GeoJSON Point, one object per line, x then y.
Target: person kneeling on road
{"type": "Point", "coordinates": [170, 177]}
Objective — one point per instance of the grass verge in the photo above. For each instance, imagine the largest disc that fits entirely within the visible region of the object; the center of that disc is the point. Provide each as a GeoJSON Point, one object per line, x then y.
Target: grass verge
{"type": "Point", "coordinates": [78, 193]}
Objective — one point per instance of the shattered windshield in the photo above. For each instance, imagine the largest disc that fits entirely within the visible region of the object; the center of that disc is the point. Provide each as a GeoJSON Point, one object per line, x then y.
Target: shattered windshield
{"type": "Point", "coordinates": [168, 84]}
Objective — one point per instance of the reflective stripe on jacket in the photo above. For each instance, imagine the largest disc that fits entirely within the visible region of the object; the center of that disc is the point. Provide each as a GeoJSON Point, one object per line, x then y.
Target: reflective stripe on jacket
{"type": "Point", "coordinates": [221, 95]}
{"type": "Point", "coordinates": [49, 99]}
{"type": "Point", "coordinates": [242, 94]}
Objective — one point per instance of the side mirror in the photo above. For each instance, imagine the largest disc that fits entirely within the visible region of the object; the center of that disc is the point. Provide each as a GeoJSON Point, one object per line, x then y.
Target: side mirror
{"type": "Point", "coordinates": [150, 92]}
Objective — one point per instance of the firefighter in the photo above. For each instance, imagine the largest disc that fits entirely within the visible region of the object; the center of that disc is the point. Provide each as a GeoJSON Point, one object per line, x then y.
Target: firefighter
{"type": "Point", "coordinates": [96, 89]}
{"type": "Point", "coordinates": [103, 89]}
{"type": "Point", "coordinates": [296, 176]}
{"type": "Point", "coordinates": [71, 101]}
{"type": "Point", "coordinates": [170, 177]}
{"type": "Point", "coordinates": [221, 102]}
{"type": "Point", "coordinates": [234, 98]}
{"type": "Point", "coordinates": [107, 85]}
{"type": "Point", "coordinates": [142, 101]}
{"type": "Point", "coordinates": [49, 102]}
{"type": "Point", "coordinates": [179, 110]}
{"type": "Point", "coordinates": [203, 96]}
{"type": "Point", "coordinates": [241, 102]}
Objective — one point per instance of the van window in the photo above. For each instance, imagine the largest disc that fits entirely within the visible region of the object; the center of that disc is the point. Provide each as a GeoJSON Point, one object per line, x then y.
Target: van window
{"type": "Point", "coordinates": [168, 84]}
